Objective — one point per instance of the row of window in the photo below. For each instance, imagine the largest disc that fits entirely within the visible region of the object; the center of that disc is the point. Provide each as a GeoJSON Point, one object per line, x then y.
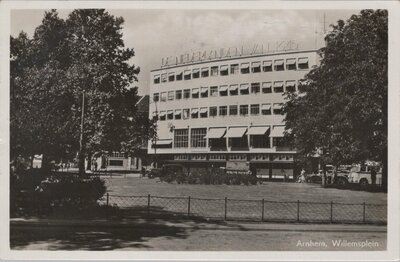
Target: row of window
{"type": "Point", "coordinates": [225, 90]}
{"type": "Point", "coordinates": [244, 157]}
{"type": "Point", "coordinates": [213, 111]}
{"type": "Point", "coordinates": [233, 69]}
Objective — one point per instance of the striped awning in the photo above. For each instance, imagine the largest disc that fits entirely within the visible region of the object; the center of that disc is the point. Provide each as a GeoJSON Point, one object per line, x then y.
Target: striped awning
{"type": "Point", "coordinates": [224, 67]}
{"type": "Point", "coordinates": [267, 85]}
{"type": "Point", "coordinates": [266, 107]}
{"type": "Point", "coordinates": [291, 83]}
{"type": "Point", "coordinates": [278, 84]}
{"type": "Point", "coordinates": [255, 64]}
{"type": "Point", "coordinates": [195, 91]}
{"type": "Point", "coordinates": [244, 66]}
{"type": "Point", "coordinates": [244, 86]}
{"type": "Point", "coordinates": [233, 87]}
{"type": "Point", "coordinates": [187, 72]}
{"type": "Point", "coordinates": [204, 89]}
{"type": "Point", "coordinates": [194, 110]}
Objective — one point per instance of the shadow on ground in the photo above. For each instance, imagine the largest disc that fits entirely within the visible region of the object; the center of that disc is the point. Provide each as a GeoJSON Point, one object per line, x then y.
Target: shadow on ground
{"type": "Point", "coordinates": [124, 229]}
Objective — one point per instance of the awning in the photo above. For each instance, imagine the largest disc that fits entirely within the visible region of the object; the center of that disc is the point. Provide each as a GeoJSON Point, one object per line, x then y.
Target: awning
{"type": "Point", "coordinates": [223, 88]}
{"type": "Point", "coordinates": [236, 132]}
{"type": "Point", "coordinates": [187, 72]}
{"type": "Point", "coordinates": [178, 73]}
{"type": "Point", "coordinates": [178, 112]}
{"type": "Point", "coordinates": [224, 67]}
{"type": "Point", "coordinates": [194, 110]}
{"type": "Point", "coordinates": [203, 110]}
{"type": "Point", "coordinates": [303, 60]}
{"type": "Point", "coordinates": [291, 61]}
{"type": "Point", "coordinates": [266, 85]}
{"type": "Point", "coordinates": [267, 63]}
{"type": "Point", "coordinates": [266, 107]}
{"type": "Point", "coordinates": [162, 113]}
{"type": "Point", "coordinates": [291, 83]}
{"type": "Point", "coordinates": [244, 66]}
{"type": "Point", "coordinates": [196, 70]}
{"type": "Point", "coordinates": [233, 87]}
{"type": "Point", "coordinates": [255, 64]}
{"type": "Point", "coordinates": [163, 142]}
{"type": "Point", "coordinates": [258, 130]}
{"type": "Point", "coordinates": [170, 112]}
{"type": "Point", "coordinates": [216, 133]}
{"type": "Point", "coordinates": [278, 84]}
{"type": "Point", "coordinates": [278, 62]}
{"type": "Point", "coordinates": [195, 91]}
{"type": "Point", "coordinates": [244, 86]}
{"type": "Point", "coordinates": [277, 106]}
{"type": "Point", "coordinates": [156, 76]}
{"type": "Point", "coordinates": [204, 69]}
{"type": "Point", "coordinates": [204, 90]}
{"type": "Point", "coordinates": [277, 131]}
{"type": "Point", "coordinates": [171, 74]}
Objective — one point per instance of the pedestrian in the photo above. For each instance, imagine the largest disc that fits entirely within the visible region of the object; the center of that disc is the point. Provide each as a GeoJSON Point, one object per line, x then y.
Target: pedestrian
{"type": "Point", "coordinates": [373, 176]}
{"type": "Point", "coordinates": [143, 174]}
{"type": "Point", "coordinates": [95, 166]}
{"type": "Point", "coordinates": [302, 177]}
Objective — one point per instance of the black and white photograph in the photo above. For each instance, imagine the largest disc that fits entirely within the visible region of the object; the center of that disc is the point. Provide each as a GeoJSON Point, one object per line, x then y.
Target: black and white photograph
{"type": "Point", "coordinates": [204, 126]}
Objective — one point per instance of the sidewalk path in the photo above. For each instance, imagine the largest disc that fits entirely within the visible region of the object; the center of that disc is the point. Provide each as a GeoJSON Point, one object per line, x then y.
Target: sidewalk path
{"type": "Point", "coordinates": [176, 235]}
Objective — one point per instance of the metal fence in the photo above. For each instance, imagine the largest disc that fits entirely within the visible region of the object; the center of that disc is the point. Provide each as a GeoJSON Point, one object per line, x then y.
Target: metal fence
{"type": "Point", "coordinates": [251, 210]}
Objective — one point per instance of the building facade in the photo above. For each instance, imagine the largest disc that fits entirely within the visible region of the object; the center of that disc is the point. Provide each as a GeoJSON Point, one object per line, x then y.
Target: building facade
{"type": "Point", "coordinates": [227, 112]}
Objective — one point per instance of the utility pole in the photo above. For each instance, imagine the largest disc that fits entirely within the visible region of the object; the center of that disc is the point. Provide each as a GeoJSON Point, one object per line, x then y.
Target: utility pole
{"type": "Point", "coordinates": [81, 164]}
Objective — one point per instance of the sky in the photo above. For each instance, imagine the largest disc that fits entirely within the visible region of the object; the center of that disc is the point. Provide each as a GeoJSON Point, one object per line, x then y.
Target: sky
{"type": "Point", "coordinates": [157, 33]}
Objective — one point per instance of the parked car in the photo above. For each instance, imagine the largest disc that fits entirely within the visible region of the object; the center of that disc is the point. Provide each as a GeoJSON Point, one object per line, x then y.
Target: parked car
{"type": "Point", "coordinates": [165, 169]}
{"type": "Point", "coordinates": [361, 174]}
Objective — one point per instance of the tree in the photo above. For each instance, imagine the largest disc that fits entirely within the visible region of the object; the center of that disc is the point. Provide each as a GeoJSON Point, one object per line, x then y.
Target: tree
{"type": "Point", "coordinates": [342, 105]}
{"type": "Point", "coordinates": [84, 53]}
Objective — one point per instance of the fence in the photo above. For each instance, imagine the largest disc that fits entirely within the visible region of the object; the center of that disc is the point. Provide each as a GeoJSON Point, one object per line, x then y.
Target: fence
{"type": "Point", "coordinates": [251, 210]}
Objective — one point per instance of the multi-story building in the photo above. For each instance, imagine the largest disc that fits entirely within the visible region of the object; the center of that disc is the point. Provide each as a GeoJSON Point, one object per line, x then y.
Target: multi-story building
{"type": "Point", "coordinates": [226, 112]}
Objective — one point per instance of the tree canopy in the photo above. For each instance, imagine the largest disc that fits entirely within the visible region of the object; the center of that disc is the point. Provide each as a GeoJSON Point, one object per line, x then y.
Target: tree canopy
{"type": "Point", "coordinates": [84, 53]}
{"type": "Point", "coordinates": [342, 104]}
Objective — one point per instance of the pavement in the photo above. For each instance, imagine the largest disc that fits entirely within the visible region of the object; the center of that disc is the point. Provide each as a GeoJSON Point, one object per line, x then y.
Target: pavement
{"type": "Point", "coordinates": [191, 235]}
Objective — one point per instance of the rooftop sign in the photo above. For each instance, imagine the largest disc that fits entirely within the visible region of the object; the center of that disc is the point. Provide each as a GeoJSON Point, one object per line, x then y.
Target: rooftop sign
{"type": "Point", "coordinates": [230, 52]}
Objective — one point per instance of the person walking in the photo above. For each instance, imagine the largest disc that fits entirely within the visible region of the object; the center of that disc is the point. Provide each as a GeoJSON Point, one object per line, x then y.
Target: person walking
{"type": "Point", "coordinates": [302, 177]}
{"type": "Point", "coordinates": [373, 176]}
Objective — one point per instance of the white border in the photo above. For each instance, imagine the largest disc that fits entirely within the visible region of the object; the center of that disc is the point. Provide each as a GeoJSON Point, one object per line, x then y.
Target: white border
{"type": "Point", "coordinates": [392, 252]}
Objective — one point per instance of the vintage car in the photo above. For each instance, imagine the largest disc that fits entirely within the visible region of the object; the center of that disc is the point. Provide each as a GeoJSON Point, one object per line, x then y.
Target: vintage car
{"type": "Point", "coordinates": [165, 169]}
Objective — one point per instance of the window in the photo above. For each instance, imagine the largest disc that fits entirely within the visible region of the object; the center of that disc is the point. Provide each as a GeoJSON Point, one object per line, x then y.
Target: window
{"type": "Point", "coordinates": [214, 70]}
{"type": "Point", "coordinates": [156, 79]}
{"type": "Point", "coordinates": [267, 66]}
{"type": "Point", "coordinates": [178, 114]}
{"type": "Point", "coordinates": [156, 97]}
{"type": "Point", "coordinates": [266, 109]}
{"type": "Point", "coordinates": [223, 110]}
{"type": "Point", "coordinates": [181, 138]}
{"type": "Point", "coordinates": [185, 113]}
{"type": "Point", "coordinates": [267, 87]}
{"type": "Point", "coordinates": [213, 111]}
{"type": "Point", "coordinates": [195, 93]}
{"type": "Point", "coordinates": [115, 162]}
{"type": "Point", "coordinates": [171, 77]}
{"type": "Point", "coordinates": [162, 115]}
{"type": "Point", "coordinates": [244, 110]}
{"type": "Point", "coordinates": [171, 95]}
{"type": "Point", "coordinates": [196, 73]}
{"type": "Point", "coordinates": [255, 109]}
{"type": "Point", "coordinates": [204, 91]}
{"type": "Point", "coordinates": [233, 90]}
{"type": "Point", "coordinates": [213, 90]}
{"type": "Point", "coordinates": [234, 69]}
{"type": "Point", "coordinates": [256, 67]}
{"type": "Point", "coordinates": [163, 96]}
{"type": "Point", "coordinates": [279, 65]}
{"type": "Point", "coordinates": [224, 70]}
{"type": "Point", "coordinates": [244, 89]}
{"type": "Point", "coordinates": [303, 63]}
{"type": "Point", "coordinates": [170, 114]}
{"type": "Point", "coordinates": [278, 87]}
{"type": "Point", "coordinates": [260, 141]}
{"type": "Point", "coordinates": [164, 78]}
{"type": "Point", "coordinates": [223, 90]}
{"type": "Point", "coordinates": [178, 94]}
{"type": "Point", "coordinates": [245, 68]}
{"type": "Point", "coordinates": [186, 93]}
{"type": "Point", "coordinates": [291, 64]}
{"type": "Point", "coordinates": [179, 76]}
{"type": "Point", "coordinates": [233, 110]}
{"type": "Point", "coordinates": [205, 72]}
{"type": "Point", "coordinates": [195, 113]}
{"type": "Point", "coordinates": [291, 86]}
{"type": "Point", "coordinates": [255, 88]}
{"type": "Point", "coordinates": [187, 75]}
{"type": "Point", "coordinates": [277, 109]}
{"type": "Point", "coordinates": [203, 112]}
{"type": "Point", "coordinates": [197, 137]}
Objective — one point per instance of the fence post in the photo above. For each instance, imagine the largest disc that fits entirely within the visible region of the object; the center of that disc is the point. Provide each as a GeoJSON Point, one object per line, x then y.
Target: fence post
{"type": "Point", "coordinates": [226, 205]}
{"type": "Point", "coordinates": [331, 211]}
{"type": "Point", "coordinates": [298, 210]}
{"type": "Point", "coordinates": [188, 212]}
{"type": "Point", "coordinates": [148, 205]}
{"type": "Point", "coordinates": [262, 210]}
{"type": "Point", "coordinates": [107, 205]}
{"type": "Point", "coordinates": [107, 199]}
{"type": "Point", "coordinates": [363, 212]}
